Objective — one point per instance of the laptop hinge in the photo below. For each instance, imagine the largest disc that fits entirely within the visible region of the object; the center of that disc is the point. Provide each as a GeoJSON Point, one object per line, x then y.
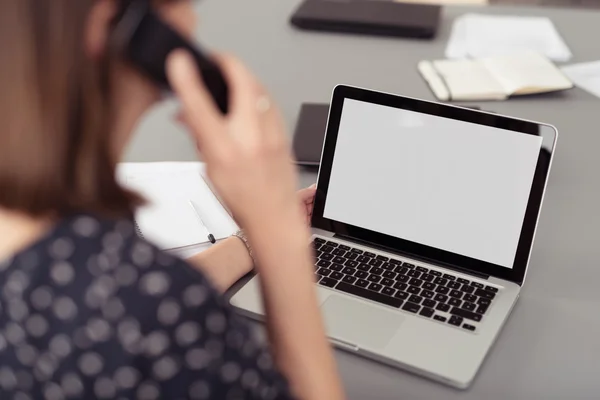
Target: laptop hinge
{"type": "Point", "coordinates": [413, 256]}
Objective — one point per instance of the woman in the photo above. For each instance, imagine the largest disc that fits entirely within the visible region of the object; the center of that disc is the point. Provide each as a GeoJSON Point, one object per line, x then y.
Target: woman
{"type": "Point", "coordinates": [89, 310]}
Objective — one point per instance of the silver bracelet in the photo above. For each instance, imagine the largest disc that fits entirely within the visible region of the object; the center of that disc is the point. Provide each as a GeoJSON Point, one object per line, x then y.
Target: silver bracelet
{"type": "Point", "coordinates": [240, 234]}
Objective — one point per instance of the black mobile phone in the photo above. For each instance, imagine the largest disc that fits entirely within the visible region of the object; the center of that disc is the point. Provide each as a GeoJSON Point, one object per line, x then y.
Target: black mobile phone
{"type": "Point", "coordinates": [145, 40]}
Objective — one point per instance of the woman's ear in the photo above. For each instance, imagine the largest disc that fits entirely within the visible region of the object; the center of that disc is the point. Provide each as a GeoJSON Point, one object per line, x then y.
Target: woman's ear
{"type": "Point", "coordinates": [98, 27]}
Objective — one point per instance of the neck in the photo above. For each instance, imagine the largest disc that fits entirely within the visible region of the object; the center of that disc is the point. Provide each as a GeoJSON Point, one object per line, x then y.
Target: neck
{"type": "Point", "coordinates": [19, 230]}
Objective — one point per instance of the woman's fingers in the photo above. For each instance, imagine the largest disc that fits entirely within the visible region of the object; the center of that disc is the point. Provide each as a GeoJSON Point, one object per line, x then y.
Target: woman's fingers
{"type": "Point", "coordinates": [244, 90]}
{"type": "Point", "coordinates": [200, 110]}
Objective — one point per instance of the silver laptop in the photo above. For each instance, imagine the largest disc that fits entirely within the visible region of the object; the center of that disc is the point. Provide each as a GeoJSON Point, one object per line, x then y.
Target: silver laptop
{"type": "Point", "coordinates": [424, 221]}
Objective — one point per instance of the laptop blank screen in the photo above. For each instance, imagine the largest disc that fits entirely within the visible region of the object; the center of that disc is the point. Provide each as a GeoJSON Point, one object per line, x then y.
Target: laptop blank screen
{"type": "Point", "coordinates": [449, 184]}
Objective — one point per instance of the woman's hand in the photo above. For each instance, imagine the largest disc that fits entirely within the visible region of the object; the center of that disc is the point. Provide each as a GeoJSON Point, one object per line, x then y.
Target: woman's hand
{"type": "Point", "coordinates": [307, 201]}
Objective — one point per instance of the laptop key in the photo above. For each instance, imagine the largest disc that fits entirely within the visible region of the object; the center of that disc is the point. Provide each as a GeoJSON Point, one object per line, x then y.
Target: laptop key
{"type": "Point", "coordinates": [408, 265]}
{"type": "Point", "coordinates": [336, 275]}
{"type": "Point", "coordinates": [427, 277]}
{"type": "Point", "coordinates": [363, 283]}
{"type": "Point", "coordinates": [477, 285]}
{"type": "Point", "coordinates": [374, 278]}
{"type": "Point", "coordinates": [324, 263]}
{"type": "Point", "coordinates": [326, 256]}
{"type": "Point", "coordinates": [442, 290]}
{"type": "Point", "coordinates": [388, 266]}
{"type": "Point", "coordinates": [388, 291]}
{"type": "Point", "coordinates": [319, 240]}
{"type": "Point", "coordinates": [442, 307]}
{"type": "Point", "coordinates": [467, 288]}
{"type": "Point", "coordinates": [428, 294]}
{"type": "Point", "coordinates": [401, 270]}
{"type": "Point", "coordinates": [449, 277]}
{"type": "Point", "coordinates": [455, 293]}
{"type": "Point", "coordinates": [481, 309]}
{"type": "Point", "coordinates": [370, 295]}
{"type": "Point", "coordinates": [349, 279]}
{"type": "Point", "coordinates": [401, 295]}
{"type": "Point", "coordinates": [351, 256]}
{"type": "Point", "coordinates": [453, 285]}
{"type": "Point", "coordinates": [351, 264]}
{"type": "Point", "coordinates": [422, 269]}
{"type": "Point", "coordinates": [468, 327]}
{"type": "Point", "coordinates": [469, 306]}
{"type": "Point", "coordinates": [363, 259]}
{"type": "Point", "coordinates": [414, 273]}
{"type": "Point", "coordinates": [435, 273]}
{"type": "Point", "coordinates": [389, 274]}
{"type": "Point", "coordinates": [428, 286]}
{"type": "Point", "coordinates": [339, 260]}
{"type": "Point", "coordinates": [376, 263]}
{"type": "Point", "coordinates": [441, 298]}
{"type": "Point", "coordinates": [415, 282]}
{"type": "Point", "coordinates": [332, 244]}
{"type": "Point", "coordinates": [375, 286]}
{"type": "Point", "coordinates": [465, 314]}
{"type": "Point", "coordinates": [413, 290]}
{"type": "Point", "coordinates": [317, 246]}
{"type": "Point", "coordinates": [455, 320]}
{"type": "Point", "coordinates": [327, 282]}
{"type": "Point", "coordinates": [357, 251]}
{"type": "Point", "coordinates": [463, 281]}
{"type": "Point", "coordinates": [387, 282]}
{"type": "Point", "coordinates": [339, 252]}
{"type": "Point", "coordinates": [454, 302]}
{"type": "Point", "coordinates": [326, 249]}
{"type": "Point", "coordinates": [411, 307]}
{"type": "Point", "coordinates": [484, 301]}
{"type": "Point", "coordinates": [427, 312]}
{"type": "Point", "coordinates": [470, 298]}
{"type": "Point", "coordinates": [376, 270]}
{"type": "Point", "coordinates": [439, 318]}
{"type": "Point", "coordinates": [348, 271]}
{"type": "Point", "coordinates": [318, 254]}
{"type": "Point", "coordinates": [368, 253]}
{"type": "Point", "coordinates": [383, 258]}
{"type": "Point", "coordinates": [402, 278]}
{"type": "Point", "coordinates": [400, 286]}
{"type": "Point", "coordinates": [429, 303]}
{"type": "Point", "coordinates": [344, 247]}
{"type": "Point", "coordinates": [415, 299]}
{"type": "Point", "coordinates": [440, 281]}
{"type": "Point", "coordinates": [485, 294]}
{"type": "Point", "coordinates": [336, 267]}
{"type": "Point", "coordinates": [364, 267]}
{"type": "Point", "coordinates": [361, 274]}
{"type": "Point", "coordinates": [323, 272]}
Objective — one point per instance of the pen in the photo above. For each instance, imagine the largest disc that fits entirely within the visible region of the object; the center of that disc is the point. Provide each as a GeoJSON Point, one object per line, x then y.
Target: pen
{"type": "Point", "coordinates": [211, 238]}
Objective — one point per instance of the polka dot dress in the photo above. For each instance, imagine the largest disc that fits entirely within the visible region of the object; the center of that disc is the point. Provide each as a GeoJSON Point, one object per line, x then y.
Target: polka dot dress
{"type": "Point", "coordinates": [91, 311]}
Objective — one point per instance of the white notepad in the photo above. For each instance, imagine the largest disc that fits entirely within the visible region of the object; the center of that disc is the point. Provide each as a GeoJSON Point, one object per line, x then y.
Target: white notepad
{"type": "Point", "coordinates": [493, 78]}
{"type": "Point", "coordinates": [168, 220]}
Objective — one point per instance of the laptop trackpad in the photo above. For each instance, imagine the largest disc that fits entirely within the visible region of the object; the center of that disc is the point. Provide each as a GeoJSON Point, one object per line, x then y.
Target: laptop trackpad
{"type": "Point", "coordinates": [358, 323]}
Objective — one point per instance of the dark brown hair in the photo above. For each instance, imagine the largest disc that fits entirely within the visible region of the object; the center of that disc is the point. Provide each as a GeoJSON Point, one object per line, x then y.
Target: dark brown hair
{"type": "Point", "coordinates": [55, 118]}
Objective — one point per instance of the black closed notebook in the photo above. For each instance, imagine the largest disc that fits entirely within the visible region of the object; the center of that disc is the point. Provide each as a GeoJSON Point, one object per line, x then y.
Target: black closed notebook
{"type": "Point", "coordinates": [310, 133]}
{"type": "Point", "coordinates": [372, 17]}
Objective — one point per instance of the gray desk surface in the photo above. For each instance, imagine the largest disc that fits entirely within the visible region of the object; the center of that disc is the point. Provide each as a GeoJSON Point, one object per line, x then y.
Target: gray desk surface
{"type": "Point", "coordinates": [550, 347]}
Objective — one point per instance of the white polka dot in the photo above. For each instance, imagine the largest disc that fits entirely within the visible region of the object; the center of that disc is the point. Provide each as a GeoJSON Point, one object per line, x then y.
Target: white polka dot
{"type": "Point", "coordinates": [45, 366]}
{"type": "Point", "coordinates": [126, 377]}
{"type": "Point", "coordinates": [41, 298]}
{"type": "Point", "coordinates": [8, 380]}
{"type": "Point", "coordinates": [86, 226]}
{"type": "Point", "coordinates": [104, 388]}
{"type": "Point", "coordinates": [199, 390]}
{"type": "Point", "coordinates": [24, 380]}
{"type": "Point", "coordinates": [156, 343]}
{"type": "Point", "coordinates": [98, 330]}
{"type": "Point", "coordinates": [52, 391]}
{"type": "Point", "coordinates": [14, 334]}
{"type": "Point", "coordinates": [142, 254]}
{"type": "Point", "coordinates": [194, 295]}
{"type": "Point", "coordinates": [61, 248]}
{"type": "Point", "coordinates": [60, 345]}
{"type": "Point", "coordinates": [36, 325]}
{"type": "Point", "coordinates": [187, 333]}
{"type": "Point", "coordinates": [91, 364]}
{"type": "Point", "coordinates": [126, 275]}
{"type": "Point", "coordinates": [3, 343]}
{"type": "Point", "coordinates": [155, 283]}
{"type": "Point", "coordinates": [113, 309]}
{"type": "Point", "coordinates": [168, 312]}
{"type": "Point", "coordinates": [165, 368]}
{"type": "Point", "coordinates": [112, 241]}
{"type": "Point", "coordinates": [250, 379]}
{"type": "Point", "coordinates": [62, 273]}
{"type": "Point", "coordinates": [230, 372]}
{"type": "Point", "coordinates": [81, 339]}
{"type": "Point", "coordinates": [148, 391]}
{"type": "Point", "coordinates": [64, 308]}
{"type": "Point", "coordinates": [107, 261]}
{"type": "Point", "coordinates": [72, 385]}
{"type": "Point", "coordinates": [197, 358]}
{"type": "Point", "coordinates": [99, 291]}
{"type": "Point", "coordinates": [26, 355]}
{"type": "Point", "coordinates": [17, 310]}
{"type": "Point", "coordinates": [216, 322]}
{"type": "Point", "coordinates": [129, 335]}
{"type": "Point", "coordinates": [16, 283]}
{"type": "Point", "coordinates": [93, 267]}
{"type": "Point", "coordinates": [265, 362]}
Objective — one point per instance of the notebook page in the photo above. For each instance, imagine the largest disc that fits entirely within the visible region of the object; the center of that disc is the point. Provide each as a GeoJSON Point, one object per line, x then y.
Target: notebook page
{"type": "Point", "coordinates": [469, 80]}
{"type": "Point", "coordinates": [527, 73]}
{"type": "Point", "coordinates": [585, 75]}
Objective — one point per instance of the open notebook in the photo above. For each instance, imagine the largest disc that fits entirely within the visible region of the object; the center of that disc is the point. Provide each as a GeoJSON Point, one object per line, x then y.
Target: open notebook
{"type": "Point", "coordinates": [493, 78]}
{"type": "Point", "coordinates": [169, 220]}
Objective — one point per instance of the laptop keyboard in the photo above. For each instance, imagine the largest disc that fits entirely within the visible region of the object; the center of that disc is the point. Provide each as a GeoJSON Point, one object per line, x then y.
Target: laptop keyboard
{"type": "Point", "coordinates": [429, 293]}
